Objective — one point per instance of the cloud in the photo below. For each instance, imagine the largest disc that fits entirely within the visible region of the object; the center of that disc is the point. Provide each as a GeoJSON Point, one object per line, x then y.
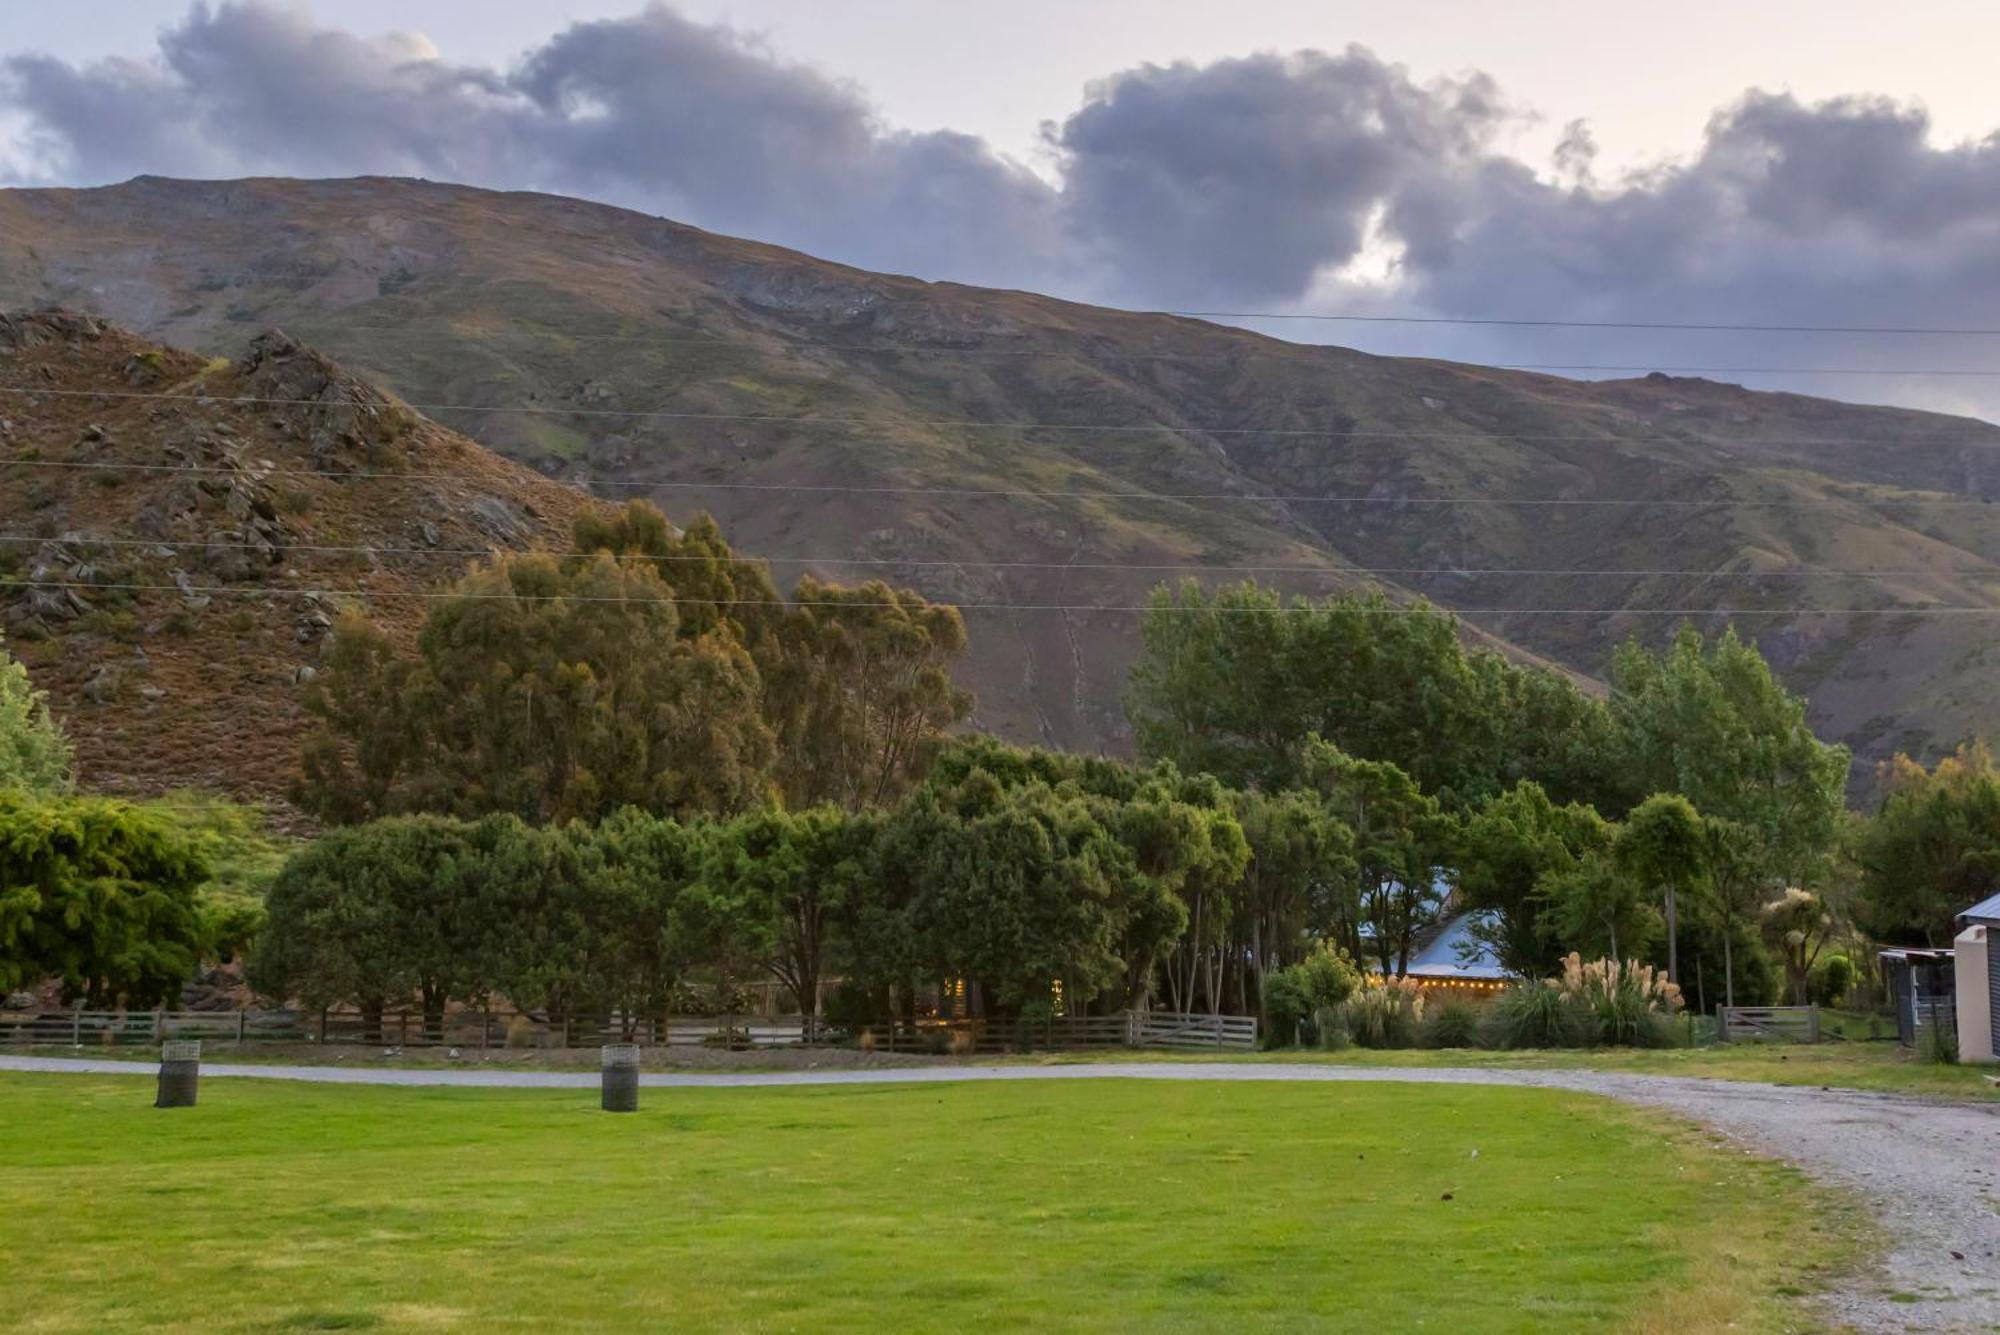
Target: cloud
{"type": "Point", "coordinates": [1267, 180]}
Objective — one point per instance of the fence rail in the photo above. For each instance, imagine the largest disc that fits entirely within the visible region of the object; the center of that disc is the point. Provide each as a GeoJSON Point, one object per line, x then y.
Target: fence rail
{"type": "Point", "coordinates": [519, 1029]}
{"type": "Point", "coordinates": [1797, 1024]}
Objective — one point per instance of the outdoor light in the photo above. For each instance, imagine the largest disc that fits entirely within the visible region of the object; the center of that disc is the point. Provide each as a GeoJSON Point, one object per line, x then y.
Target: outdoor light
{"type": "Point", "coordinates": [180, 1072]}
{"type": "Point", "coordinates": [621, 1077]}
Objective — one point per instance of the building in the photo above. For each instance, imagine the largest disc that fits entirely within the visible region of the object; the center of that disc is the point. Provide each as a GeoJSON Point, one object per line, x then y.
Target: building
{"type": "Point", "coordinates": [1978, 950]}
{"type": "Point", "coordinates": [1921, 989]}
{"type": "Point", "coordinates": [1458, 960]}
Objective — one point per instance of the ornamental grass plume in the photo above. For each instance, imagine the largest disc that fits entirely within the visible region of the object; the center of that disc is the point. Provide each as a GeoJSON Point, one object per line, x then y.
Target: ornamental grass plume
{"type": "Point", "coordinates": [1631, 1002]}
{"type": "Point", "coordinates": [1386, 1013]}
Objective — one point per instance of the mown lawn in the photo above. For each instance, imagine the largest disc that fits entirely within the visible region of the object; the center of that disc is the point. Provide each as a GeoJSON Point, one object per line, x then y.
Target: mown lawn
{"type": "Point", "coordinates": [1093, 1205]}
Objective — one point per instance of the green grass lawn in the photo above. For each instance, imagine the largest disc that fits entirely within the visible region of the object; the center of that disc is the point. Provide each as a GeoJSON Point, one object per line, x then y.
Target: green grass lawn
{"type": "Point", "coordinates": [1093, 1205]}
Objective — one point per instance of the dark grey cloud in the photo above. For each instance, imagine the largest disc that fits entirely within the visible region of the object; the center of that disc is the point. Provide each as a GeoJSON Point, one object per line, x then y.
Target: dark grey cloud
{"type": "Point", "coordinates": [1246, 181]}
{"type": "Point", "coordinates": [1243, 179]}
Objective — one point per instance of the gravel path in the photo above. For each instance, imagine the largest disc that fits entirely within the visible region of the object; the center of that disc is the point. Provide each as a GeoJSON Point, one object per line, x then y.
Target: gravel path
{"type": "Point", "coordinates": [1931, 1167]}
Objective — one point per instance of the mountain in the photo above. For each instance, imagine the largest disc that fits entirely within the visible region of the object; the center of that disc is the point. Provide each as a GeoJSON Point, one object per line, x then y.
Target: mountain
{"type": "Point", "coordinates": [173, 602]}
{"type": "Point", "coordinates": [850, 423]}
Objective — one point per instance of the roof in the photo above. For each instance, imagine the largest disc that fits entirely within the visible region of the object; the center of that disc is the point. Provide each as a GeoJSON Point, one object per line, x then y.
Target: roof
{"type": "Point", "coordinates": [1458, 952]}
{"type": "Point", "coordinates": [1986, 910]}
{"type": "Point", "coordinates": [1914, 954]}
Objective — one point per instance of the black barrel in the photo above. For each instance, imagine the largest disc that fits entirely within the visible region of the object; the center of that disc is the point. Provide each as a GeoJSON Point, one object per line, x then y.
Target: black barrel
{"type": "Point", "coordinates": [621, 1077]}
{"type": "Point", "coordinates": [180, 1073]}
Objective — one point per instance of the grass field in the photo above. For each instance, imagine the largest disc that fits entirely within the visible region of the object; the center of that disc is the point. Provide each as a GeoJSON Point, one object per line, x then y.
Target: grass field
{"type": "Point", "coordinates": [1095, 1205]}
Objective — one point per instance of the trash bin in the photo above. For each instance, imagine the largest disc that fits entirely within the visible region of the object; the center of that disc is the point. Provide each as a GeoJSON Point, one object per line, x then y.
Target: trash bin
{"type": "Point", "coordinates": [180, 1073]}
{"type": "Point", "coordinates": [621, 1077]}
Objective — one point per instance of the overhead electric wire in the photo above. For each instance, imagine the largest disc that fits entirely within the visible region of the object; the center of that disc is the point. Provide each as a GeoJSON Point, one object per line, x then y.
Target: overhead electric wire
{"type": "Point", "coordinates": [194, 590]}
{"type": "Point", "coordinates": [829, 488]}
{"type": "Point", "coordinates": [1190, 567]}
{"type": "Point", "coordinates": [1946, 331]}
{"type": "Point", "coordinates": [970, 423]}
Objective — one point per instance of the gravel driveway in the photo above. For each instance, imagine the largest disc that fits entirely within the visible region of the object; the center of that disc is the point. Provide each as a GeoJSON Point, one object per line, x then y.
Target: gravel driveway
{"type": "Point", "coordinates": [1931, 1167]}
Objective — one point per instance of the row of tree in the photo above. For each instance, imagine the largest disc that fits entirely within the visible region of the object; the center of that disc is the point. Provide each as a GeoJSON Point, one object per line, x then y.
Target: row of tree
{"type": "Point", "coordinates": [647, 667]}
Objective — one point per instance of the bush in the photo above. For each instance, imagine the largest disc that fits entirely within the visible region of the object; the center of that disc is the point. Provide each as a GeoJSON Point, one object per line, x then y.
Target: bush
{"type": "Point", "coordinates": [1451, 1024]}
{"type": "Point", "coordinates": [1286, 1007]}
{"type": "Point", "coordinates": [1535, 1014]}
{"type": "Point", "coordinates": [1388, 1014]}
{"type": "Point", "coordinates": [1330, 1030]}
{"type": "Point", "coordinates": [1831, 980]}
{"type": "Point", "coordinates": [1937, 1045]}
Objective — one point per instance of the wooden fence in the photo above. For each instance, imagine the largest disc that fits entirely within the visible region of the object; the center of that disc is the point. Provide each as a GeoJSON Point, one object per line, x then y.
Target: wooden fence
{"type": "Point", "coordinates": [480, 1030]}
{"type": "Point", "coordinates": [1796, 1024]}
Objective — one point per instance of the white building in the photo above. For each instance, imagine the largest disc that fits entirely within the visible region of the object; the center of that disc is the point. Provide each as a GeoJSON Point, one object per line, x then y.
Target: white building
{"type": "Point", "coordinates": [1977, 949]}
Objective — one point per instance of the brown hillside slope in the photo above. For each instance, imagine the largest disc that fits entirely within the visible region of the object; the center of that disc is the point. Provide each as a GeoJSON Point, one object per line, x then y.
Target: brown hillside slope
{"type": "Point", "coordinates": [170, 604]}
{"type": "Point", "coordinates": [839, 420]}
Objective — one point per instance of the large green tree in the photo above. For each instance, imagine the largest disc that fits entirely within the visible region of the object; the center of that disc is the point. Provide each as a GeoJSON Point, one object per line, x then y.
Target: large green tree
{"type": "Point", "coordinates": [1400, 839]}
{"type": "Point", "coordinates": [99, 894]}
{"type": "Point", "coordinates": [1519, 854]}
{"type": "Point", "coordinates": [34, 753]}
{"type": "Point", "coordinates": [1662, 844]}
{"type": "Point", "coordinates": [1232, 682]}
{"type": "Point", "coordinates": [1931, 850]}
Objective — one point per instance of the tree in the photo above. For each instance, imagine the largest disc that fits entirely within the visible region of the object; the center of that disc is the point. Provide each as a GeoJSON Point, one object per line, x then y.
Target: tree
{"type": "Point", "coordinates": [1799, 925]}
{"type": "Point", "coordinates": [860, 691]}
{"type": "Point", "coordinates": [1399, 834]}
{"type": "Point", "coordinates": [1931, 849]}
{"type": "Point", "coordinates": [99, 894]}
{"type": "Point", "coordinates": [34, 753]}
{"type": "Point", "coordinates": [1602, 912]}
{"type": "Point", "coordinates": [1708, 720]}
{"type": "Point", "coordinates": [1293, 887]}
{"type": "Point", "coordinates": [1230, 683]}
{"type": "Point", "coordinates": [552, 689]}
{"type": "Point", "coordinates": [1513, 853]}
{"type": "Point", "coordinates": [372, 914]}
{"type": "Point", "coordinates": [796, 875]}
{"type": "Point", "coordinates": [1738, 865]}
{"type": "Point", "coordinates": [1661, 843]}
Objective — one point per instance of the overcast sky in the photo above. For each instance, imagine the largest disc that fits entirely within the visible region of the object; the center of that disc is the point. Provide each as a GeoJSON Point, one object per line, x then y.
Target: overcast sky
{"type": "Point", "coordinates": [1787, 163]}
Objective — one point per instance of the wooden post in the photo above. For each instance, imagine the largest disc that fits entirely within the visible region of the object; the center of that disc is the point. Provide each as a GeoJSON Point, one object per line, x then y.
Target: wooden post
{"type": "Point", "coordinates": [1721, 1023]}
{"type": "Point", "coordinates": [76, 1026]}
{"type": "Point", "coordinates": [485, 1023]}
{"type": "Point", "coordinates": [1812, 1025]}
{"type": "Point", "coordinates": [159, 1023]}
{"type": "Point", "coordinates": [242, 1014]}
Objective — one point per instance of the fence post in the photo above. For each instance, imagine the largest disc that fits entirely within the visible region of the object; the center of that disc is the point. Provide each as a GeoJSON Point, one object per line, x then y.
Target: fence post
{"type": "Point", "coordinates": [1721, 1023]}
{"type": "Point", "coordinates": [76, 1025]}
{"type": "Point", "coordinates": [242, 1014]}
{"type": "Point", "coordinates": [1812, 1025]}
{"type": "Point", "coordinates": [159, 1023]}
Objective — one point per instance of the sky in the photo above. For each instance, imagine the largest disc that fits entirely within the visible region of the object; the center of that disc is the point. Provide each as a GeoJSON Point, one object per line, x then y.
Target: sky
{"type": "Point", "coordinates": [1782, 164]}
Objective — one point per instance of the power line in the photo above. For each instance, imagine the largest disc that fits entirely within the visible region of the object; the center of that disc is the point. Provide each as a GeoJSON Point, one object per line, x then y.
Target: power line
{"type": "Point", "coordinates": [844, 605]}
{"type": "Point", "coordinates": [1522, 323]}
{"type": "Point", "coordinates": [1000, 424]}
{"type": "Point", "coordinates": [1315, 352]}
{"type": "Point", "coordinates": [686, 484]}
{"type": "Point", "coordinates": [1192, 567]}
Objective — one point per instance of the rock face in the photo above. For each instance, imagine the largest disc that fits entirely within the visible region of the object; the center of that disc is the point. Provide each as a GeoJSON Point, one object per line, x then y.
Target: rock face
{"type": "Point", "coordinates": [197, 548]}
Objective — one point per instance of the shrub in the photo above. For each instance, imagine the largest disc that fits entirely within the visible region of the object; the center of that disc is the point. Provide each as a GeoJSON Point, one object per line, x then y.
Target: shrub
{"type": "Point", "coordinates": [1937, 1045]}
{"type": "Point", "coordinates": [1286, 1007]}
{"type": "Point", "coordinates": [520, 1032]}
{"type": "Point", "coordinates": [1328, 976]}
{"type": "Point", "coordinates": [1533, 1013]}
{"type": "Point", "coordinates": [1831, 980]}
{"type": "Point", "coordinates": [1388, 1014]}
{"type": "Point", "coordinates": [1330, 1031]}
{"type": "Point", "coordinates": [1451, 1024]}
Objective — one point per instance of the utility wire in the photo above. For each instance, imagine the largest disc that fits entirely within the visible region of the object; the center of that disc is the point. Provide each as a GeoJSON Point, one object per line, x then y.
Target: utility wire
{"type": "Point", "coordinates": [1019, 493]}
{"type": "Point", "coordinates": [1000, 424]}
{"type": "Point", "coordinates": [838, 604]}
{"type": "Point", "coordinates": [1691, 326]}
{"type": "Point", "coordinates": [973, 423]}
{"type": "Point", "coordinates": [1192, 567]}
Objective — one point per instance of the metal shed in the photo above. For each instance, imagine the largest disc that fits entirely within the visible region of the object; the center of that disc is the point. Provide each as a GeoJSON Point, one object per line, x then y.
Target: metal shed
{"type": "Point", "coordinates": [1978, 949]}
{"type": "Point", "coordinates": [1922, 990]}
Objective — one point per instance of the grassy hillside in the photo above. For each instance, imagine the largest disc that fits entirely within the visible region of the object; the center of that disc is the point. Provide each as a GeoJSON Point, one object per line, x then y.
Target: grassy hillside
{"type": "Point", "coordinates": [827, 417]}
